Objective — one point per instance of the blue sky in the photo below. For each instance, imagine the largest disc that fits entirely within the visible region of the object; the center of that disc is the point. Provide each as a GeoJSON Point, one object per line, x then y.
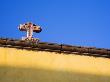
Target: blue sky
{"type": "Point", "coordinates": [74, 22]}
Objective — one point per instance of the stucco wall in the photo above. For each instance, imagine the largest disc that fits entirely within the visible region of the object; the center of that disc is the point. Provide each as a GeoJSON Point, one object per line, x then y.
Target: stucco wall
{"type": "Point", "coordinates": [17, 65]}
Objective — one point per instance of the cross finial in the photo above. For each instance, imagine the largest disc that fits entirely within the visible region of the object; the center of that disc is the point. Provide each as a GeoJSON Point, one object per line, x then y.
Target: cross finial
{"type": "Point", "coordinates": [29, 27]}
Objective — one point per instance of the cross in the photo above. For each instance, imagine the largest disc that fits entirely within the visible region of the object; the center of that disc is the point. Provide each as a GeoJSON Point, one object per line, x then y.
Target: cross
{"type": "Point", "coordinates": [29, 28]}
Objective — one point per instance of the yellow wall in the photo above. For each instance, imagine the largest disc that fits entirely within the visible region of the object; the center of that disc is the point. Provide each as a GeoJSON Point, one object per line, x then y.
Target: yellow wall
{"type": "Point", "coordinates": [18, 65]}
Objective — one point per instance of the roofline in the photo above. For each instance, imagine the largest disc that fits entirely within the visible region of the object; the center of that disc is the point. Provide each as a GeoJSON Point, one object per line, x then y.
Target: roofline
{"type": "Point", "coordinates": [54, 47]}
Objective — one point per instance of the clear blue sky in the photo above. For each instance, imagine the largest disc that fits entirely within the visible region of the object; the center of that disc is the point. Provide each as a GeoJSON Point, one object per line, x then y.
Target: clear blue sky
{"type": "Point", "coordinates": [74, 22]}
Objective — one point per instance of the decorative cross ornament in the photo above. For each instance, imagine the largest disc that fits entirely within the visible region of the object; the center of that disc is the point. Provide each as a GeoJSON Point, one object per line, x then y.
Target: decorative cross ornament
{"type": "Point", "coordinates": [30, 28]}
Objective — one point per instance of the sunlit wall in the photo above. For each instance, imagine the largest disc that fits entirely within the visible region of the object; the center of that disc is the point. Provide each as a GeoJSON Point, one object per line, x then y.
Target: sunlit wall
{"type": "Point", "coordinates": [17, 65]}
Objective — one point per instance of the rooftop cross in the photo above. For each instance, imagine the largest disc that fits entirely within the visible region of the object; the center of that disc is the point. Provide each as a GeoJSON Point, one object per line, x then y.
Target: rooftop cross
{"type": "Point", "coordinates": [30, 28]}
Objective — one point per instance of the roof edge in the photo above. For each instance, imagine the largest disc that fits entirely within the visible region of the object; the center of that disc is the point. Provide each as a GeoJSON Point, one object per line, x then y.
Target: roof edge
{"type": "Point", "coordinates": [54, 47]}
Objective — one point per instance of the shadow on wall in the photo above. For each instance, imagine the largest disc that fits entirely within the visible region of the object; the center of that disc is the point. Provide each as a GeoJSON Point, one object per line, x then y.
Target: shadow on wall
{"type": "Point", "coordinates": [12, 74]}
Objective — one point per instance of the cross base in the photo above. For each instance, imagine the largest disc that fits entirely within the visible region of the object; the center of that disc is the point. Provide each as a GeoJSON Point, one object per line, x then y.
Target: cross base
{"type": "Point", "coordinates": [31, 39]}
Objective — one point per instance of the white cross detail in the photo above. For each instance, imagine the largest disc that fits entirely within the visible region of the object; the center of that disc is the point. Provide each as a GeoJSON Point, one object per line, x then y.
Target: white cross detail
{"type": "Point", "coordinates": [29, 28]}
